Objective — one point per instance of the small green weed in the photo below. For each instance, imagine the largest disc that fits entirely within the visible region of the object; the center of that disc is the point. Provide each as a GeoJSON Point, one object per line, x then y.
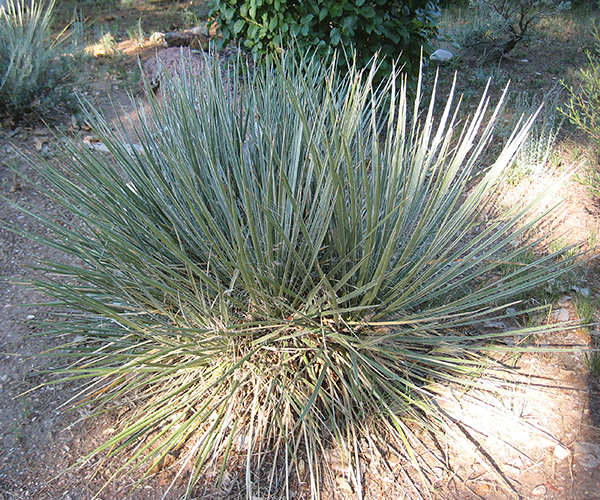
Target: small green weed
{"type": "Point", "coordinates": [17, 432]}
{"type": "Point", "coordinates": [586, 308]}
{"type": "Point", "coordinates": [136, 33]}
{"type": "Point", "coordinates": [592, 239]}
{"type": "Point", "coordinates": [592, 363]}
{"type": "Point", "coordinates": [560, 245]}
{"type": "Point", "coordinates": [107, 42]}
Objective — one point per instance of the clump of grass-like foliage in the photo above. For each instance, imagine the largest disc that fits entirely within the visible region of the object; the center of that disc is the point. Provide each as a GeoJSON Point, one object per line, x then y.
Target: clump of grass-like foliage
{"type": "Point", "coordinates": [292, 260]}
{"type": "Point", "coordinates": [582, 110]}
{"type": "Point", "coordinates": [33, 71]}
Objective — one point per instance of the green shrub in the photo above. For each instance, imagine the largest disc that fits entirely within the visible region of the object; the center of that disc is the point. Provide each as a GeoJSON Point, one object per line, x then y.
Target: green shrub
{"type": "Point", "coordinates": [32, 70]}
{"type": "Point", "coordinates": [583, 110]}
{"type": "Point", "coordinates": [292, 260]}
{"type": "Point", "coordinates": [395, 29]}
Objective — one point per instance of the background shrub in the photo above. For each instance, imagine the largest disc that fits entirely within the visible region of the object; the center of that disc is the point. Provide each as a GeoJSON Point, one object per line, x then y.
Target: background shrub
{"type": "Point", "coordinates": [393, 28]}
{"type": "Point", "coordinates": [32, 69]}
{"type": "Point", "coordinates": [502, 24]}
{"type": "Point", "coordinates": [583, 110]}
{"type": "Point", "coordinates": [533, 157]}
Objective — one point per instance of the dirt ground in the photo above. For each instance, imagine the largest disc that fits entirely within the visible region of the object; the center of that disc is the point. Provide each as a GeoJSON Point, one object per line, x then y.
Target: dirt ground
{"type": "Point", "coordinates": [542, 441]}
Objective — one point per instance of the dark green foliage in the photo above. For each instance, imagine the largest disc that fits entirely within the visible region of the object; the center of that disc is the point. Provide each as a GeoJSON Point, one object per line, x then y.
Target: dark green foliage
{"type": "Point", "coordinates": [396, 29]}
{"type": "Point", "coordinates": [457, 3]}
{"type": "Point", "coordinates": [591, 4]}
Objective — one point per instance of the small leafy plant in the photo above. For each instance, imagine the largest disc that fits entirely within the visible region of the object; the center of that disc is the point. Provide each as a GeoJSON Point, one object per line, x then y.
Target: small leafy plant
{"type": "Point", "coordinates": [32, 70]}
{"type": "Point", "coordinates": [363, 27]}
{"type": "Point", "coordinates": [293, 260]}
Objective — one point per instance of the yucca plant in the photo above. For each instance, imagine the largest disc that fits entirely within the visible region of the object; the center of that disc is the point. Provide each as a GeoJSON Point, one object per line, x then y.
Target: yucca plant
{"type": "Point", "coordinates": [292, 261]}
{"type": "Point", "coordinates": [32, 68]}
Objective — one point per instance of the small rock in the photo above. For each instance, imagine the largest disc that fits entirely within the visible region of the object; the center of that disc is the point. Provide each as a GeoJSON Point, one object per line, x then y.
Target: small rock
{"type": "Point", "coordinates": [337, 459]}
{"type": "Point", "coordinates": [98, 146]}
{"type": "Point", "coordinates": [561, 452]}
{"type": "Point", "coordinates": [196, 41]}
{"type": "Point", "coordinates": [441, 55]}
{"type": "Point", "coordinates": [175, 39]}
{"type": "Point", "coordinates": [539, 490]}
{"type": "Point", "coordinates": [511, 340]}
{"type": "Point", "coordinates": [157, 38]}
{"type": "Point", "coordinates": [481, 489]}
{"type": "Point", "coordinates": [393, 460]}
{"type": "Point", "coordinates": [495, 324]}
{"type": "Point", "coordinates": [343, 484]}
{"type": "Point", "coordinates": [91, 138]}
{"type": "Point", "coordinates": [564, 299]}
{"type": "Point", "coordinates": [584, 292]}
{"type": "Point", "coordinates": [562, 315]}
{"type": "Point", "coordinates": [511, 310]}
{"type": "Point", "coordinates": [450, 405]}
{"type": "Point", "coordinates": [198, 31]}
{"type": "Point", "coordinates": [524, 60]}
{"type": "Point", "coordinates": [587, 455]}
{"type": "Point", "coordinates": [30, 316]}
